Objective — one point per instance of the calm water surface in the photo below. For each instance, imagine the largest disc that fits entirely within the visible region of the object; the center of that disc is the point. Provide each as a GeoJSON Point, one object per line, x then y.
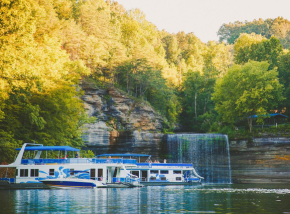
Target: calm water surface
{"type": "Point", "coordinates": [170, 199]}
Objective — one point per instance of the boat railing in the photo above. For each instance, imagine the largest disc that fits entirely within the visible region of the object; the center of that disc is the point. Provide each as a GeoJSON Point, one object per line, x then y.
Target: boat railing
{"type": "Point", "coordinates": [114, 160]}
{"type": "Point", "coordinates": [164, 165]}
{"type": "Point", "coordinates": [77, 161]}
{"type": "Point", "coordinates": [9, 180]}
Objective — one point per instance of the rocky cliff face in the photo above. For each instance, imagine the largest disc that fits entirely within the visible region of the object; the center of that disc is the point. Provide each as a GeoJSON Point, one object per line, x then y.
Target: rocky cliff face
{"type": "Point", "coordinates": [264, 160]}
{"type": "Point", "coordinates": [119, 118]}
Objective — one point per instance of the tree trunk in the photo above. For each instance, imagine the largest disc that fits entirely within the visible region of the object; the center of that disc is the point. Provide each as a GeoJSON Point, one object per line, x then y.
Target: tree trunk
{"type": "Point", "coordinates": [136, 90]}
{"type": "Point", "coordinates": [113, 78]}
{"type": "Point", "coordinates": [205, 104]}
{"type": "Point", "coordinates": [179, 73]}
{"type": "Point", "coordinates": [250, 122]}
{"type": "Point", "coordinates": [140, 90]}
{"type": "Point", "coordinates": [128, 82]}
{"type": "Point", "coordinates": [195, 97]}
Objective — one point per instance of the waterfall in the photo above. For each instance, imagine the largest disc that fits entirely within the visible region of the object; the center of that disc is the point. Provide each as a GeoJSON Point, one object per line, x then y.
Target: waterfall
{"type": "Point", "coordinates": [209, 154]}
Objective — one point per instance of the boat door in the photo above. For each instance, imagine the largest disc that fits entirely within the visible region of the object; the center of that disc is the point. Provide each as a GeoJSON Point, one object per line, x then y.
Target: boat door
{"type": "Point", "coordinates": [144, 175]}
{"type": "Point", "coordinates": [110, 173]}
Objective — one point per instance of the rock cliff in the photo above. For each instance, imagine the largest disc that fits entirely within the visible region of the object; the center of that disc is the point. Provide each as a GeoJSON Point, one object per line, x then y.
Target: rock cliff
{"type": "Point", "coordinates": [264, 160]}
{"type": "Point", "coordinates": [119, 118]}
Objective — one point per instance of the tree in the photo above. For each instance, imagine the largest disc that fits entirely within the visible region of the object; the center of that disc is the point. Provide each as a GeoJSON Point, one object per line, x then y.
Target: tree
{"type": "Point", "coordinates": [141, 80]}
{"type": "Point", "coordinates": [284, 78]}
{"type": "Point", "coordinates": [247, 90]}
{"type": "Point", "coordinates": [171, 48]}
{"type": "Point", "coordinates": [251, 47]}
{"type": "Point", "coordinates": [195, 96]}
{"type": "Point", "coordinates": [278, 27]}
{"type": "Point", "coordinates": [39, 96]}
{"type": "Point", "coordinates": [217, 59]}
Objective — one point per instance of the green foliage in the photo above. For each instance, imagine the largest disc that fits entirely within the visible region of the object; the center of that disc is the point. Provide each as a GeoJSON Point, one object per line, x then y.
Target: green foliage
{"type": "Point", "coordinates": [39, 97]}
{"type": "Point", "coordinates": [195, 100]}
{"type": "Point", "coordinates": [278, 27]}
{"type": "Point", "coordinates": [46, 47]}
{"type": "Point", "coordinates": [264, 50]}
{"type": "Point", "coordinates": [247, 90]}
{"type": "Point", "coordinates": [284, 78]}
{"type": "Point", "coordinates": [142, 81]}
{"type": "Point", "coordinates": [87, 154]}
{"type": "Point", "coordinates": [206, 121]}
{"type": "Point", "coordinates": [7, 146]}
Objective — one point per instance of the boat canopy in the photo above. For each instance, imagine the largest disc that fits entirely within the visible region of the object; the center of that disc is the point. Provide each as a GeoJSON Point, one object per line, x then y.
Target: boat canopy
{"type": "Point", "coordinates": [123, 155]}
{"type": "Point", "coordinates": [49, 148]}
{"type": "Point", "coordinates": [276, 115]}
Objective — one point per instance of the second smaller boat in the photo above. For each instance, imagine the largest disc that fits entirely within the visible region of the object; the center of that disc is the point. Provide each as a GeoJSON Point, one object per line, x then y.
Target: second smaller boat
{"type": "Point", "coordinates": [74, 181]}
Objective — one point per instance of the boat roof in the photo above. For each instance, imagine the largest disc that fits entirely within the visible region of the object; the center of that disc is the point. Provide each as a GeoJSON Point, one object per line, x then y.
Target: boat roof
{"type": "Point", "coordinates": [49, 148]}
{"type": "Point", "coordinates": [123, 155]}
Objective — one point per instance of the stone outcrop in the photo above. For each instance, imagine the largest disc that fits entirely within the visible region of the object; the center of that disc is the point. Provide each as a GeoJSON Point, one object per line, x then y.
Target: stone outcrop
{"type": "Point", "coordinates": [261, 160]}
{"type": "Point", "coordinates": [117, 115]}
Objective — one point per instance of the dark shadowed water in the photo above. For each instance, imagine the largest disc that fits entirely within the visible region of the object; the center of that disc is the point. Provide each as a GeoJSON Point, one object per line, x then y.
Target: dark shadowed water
{"type": "Point", "coordinates": [234, 198]}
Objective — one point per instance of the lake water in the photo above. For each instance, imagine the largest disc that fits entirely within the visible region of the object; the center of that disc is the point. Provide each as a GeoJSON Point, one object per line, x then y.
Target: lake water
{"type": "Point", "coordinates": [231, 198]}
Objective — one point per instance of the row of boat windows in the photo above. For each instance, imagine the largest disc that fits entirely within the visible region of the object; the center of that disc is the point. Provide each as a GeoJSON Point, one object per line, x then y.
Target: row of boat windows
{"type": "Point", "coordinates": [164, 172]}
{"type": "Point", "coordinates": [33, 172]}
{"type": "Point", "coordinates": [164, 178]}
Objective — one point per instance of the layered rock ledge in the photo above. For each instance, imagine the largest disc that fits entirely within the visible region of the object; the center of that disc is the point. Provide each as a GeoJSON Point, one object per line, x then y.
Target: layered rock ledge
{"type": "Point", "coordinates": [119, 117]}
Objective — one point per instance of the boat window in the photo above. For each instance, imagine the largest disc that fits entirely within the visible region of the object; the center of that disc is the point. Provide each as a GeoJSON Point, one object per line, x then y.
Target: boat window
{"type": "Point", "coordinates": [93, 174]}
{"type": "Point", "coordinates": [178, 178]}
{"type": "Point", "coordinates": [23, 172]}
{"type": "Point", "coordinates": [163, 178]}
{"type": "Point", "coordinates": [51, 171]}
{"type": "Point", "coordinates": [100, 174]}
{"type": "Point", "coordinates": [115, 172]}
{"type": "Point", "coordinates": [152, 178]}
{"type": "Point", "coordinates": [135, 173]}
{"type": "Point", "coordinates": [154, 171]}
{"type": "Point", "coordinates": [176, 171]}
{"type": "Point", "coordinates": [71, 171]}
{"type": "Point", "coordinates": [34, 173]}
{"type": "Point", "coordinates": [163, 171]}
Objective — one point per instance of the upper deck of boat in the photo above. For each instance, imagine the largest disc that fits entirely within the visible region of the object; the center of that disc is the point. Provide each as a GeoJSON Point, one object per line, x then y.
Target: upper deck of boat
{"type": "Point", "coordinates": [77, 161]}
{"type": "Point", "coordinates": [62, 157]}
{"type": "Point", "coordinates": [148, 164]}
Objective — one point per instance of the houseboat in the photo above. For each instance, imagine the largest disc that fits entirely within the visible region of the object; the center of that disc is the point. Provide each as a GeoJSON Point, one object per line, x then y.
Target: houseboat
{"type": "Point", "coordinates": [32, 166]}
{"type": "Point", "coordinates": [157, 174]}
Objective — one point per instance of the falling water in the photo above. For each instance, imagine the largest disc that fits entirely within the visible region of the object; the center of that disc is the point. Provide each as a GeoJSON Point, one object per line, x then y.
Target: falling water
{"type": "Point", "coordinates": [209, 154]}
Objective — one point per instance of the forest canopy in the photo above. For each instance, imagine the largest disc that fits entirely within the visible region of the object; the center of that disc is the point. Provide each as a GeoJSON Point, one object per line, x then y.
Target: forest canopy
{"type": "Point", "coordinates": [48, 46]}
